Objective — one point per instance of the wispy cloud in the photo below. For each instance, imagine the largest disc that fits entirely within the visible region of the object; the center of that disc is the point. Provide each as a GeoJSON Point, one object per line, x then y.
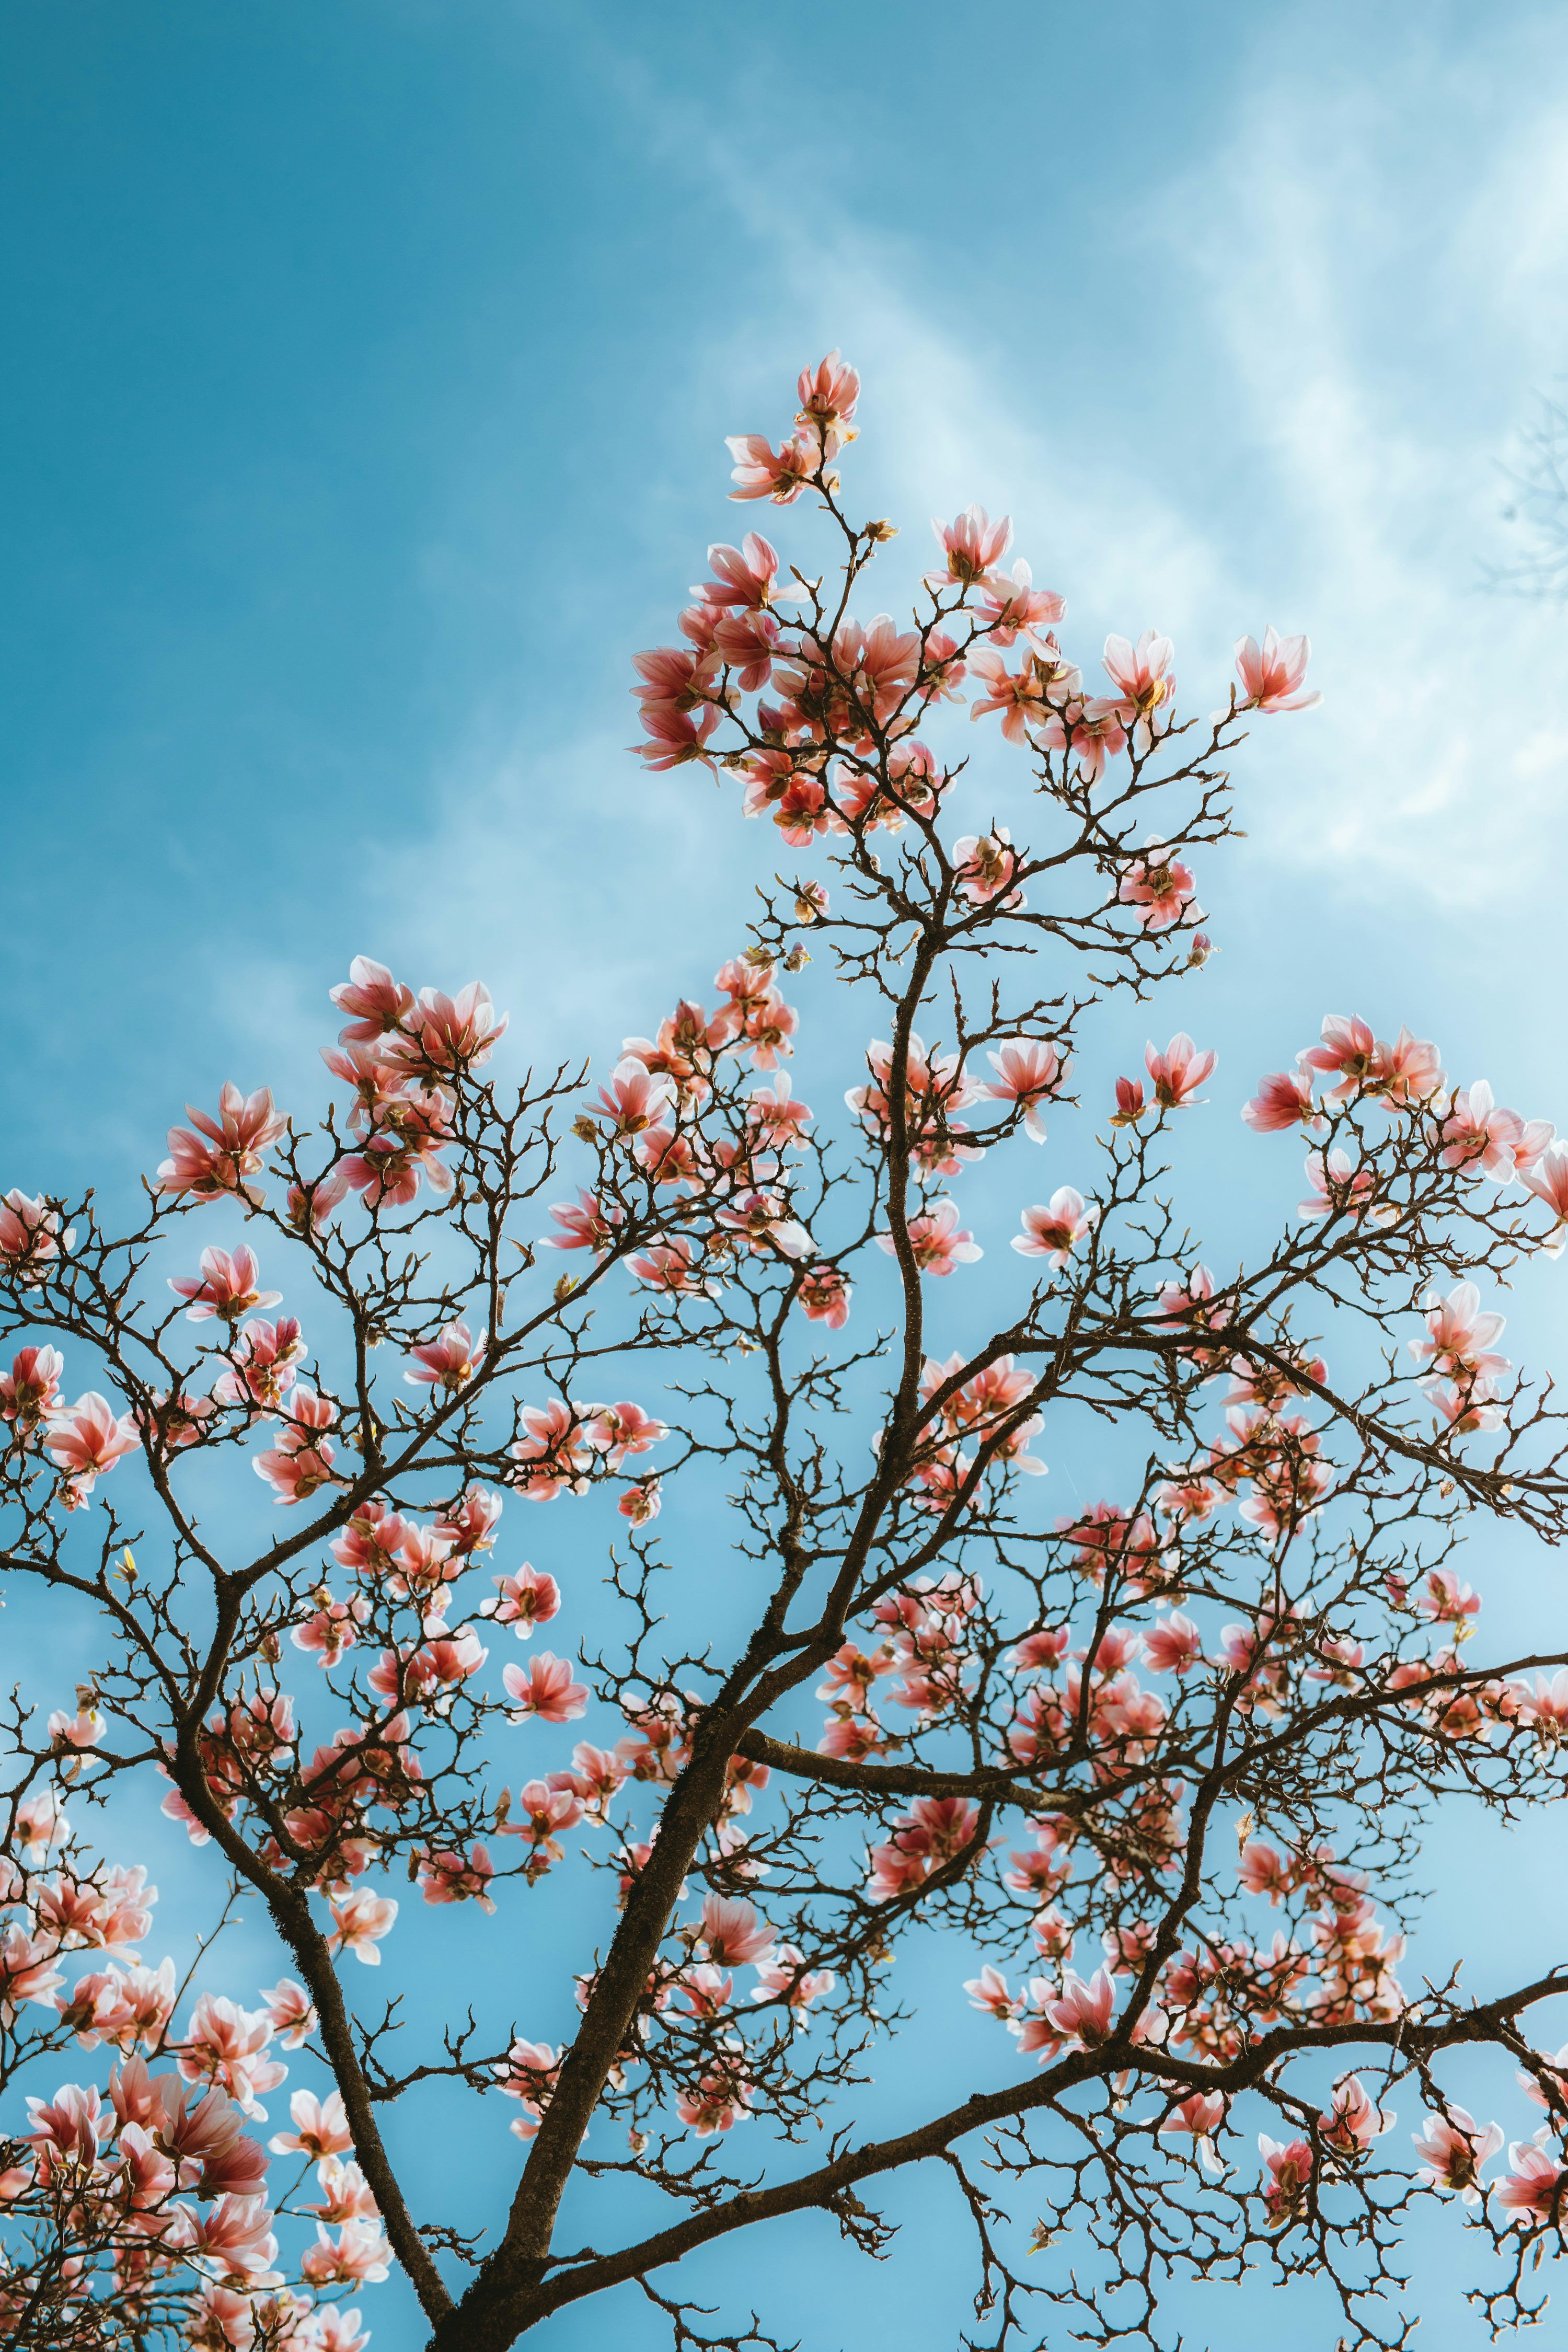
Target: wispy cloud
{"type": "Point", "coordinates": [1295, 464]}
{"type": "Point", "coordinates": [1330, 267]}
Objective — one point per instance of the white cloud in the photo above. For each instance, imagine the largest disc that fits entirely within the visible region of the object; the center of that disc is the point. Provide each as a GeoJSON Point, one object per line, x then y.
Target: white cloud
{"type": "Point", "coordinates": [1373, 320]}
{"type": "Point", "coordinates": [1378, 318]}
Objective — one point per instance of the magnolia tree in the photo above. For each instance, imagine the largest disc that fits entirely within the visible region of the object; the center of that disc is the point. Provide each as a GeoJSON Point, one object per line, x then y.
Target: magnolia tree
{"type": "Point", "coordinates": [1158, 1770]}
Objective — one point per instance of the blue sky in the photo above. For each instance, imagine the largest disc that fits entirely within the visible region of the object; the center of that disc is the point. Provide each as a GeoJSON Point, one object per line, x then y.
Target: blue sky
{"type": "Point", "coordinates": [369, 373]}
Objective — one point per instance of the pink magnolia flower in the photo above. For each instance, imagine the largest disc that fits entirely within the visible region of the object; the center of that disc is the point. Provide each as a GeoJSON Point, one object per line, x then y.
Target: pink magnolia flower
{"type": "Point", "coordinates": [1547, 1180]}
{"type": "Point", "coordinates": [1200, 2116]}
{"type": "Point", "coordinates": [27, 1972]}
{"type": "Point", "coordinates": [1289, 2172]}
{"type": "Point", "coordinates": [1545, 1707]}
{"type": "Point", "coordinates": [30, 1391]}
{"type": "Point", "coordinates": [70, 2125]}
{"type": "Point", "coordinates": [359, 2256]}
{"type": "Point", "coordinates": [170, 1424]}
{"type": "Point", "coordinates": [122, 2006]}
{"type": "Point", "coordinates": [762, 472]}
{"type": "Point", "coordinates": [1173, 1644]}
{"type": "Point", "coordinates": [1012, 606]}
{"type": "Point", "coordinates": [261, 1364]}
{"type": "Point", "coordinates": [675, 1266]}
{"type": "Point", "coordinates": [744, 575]}
{"type": "Point", "coordinates": [1163, 888]}
{"type": "Point", "coordinates": [1410, 1072]}
{"type": "Point", "coordinates": [827, 394]}
{"type": "Point", "coordinates": [1284, 1099]}
{"type": "Point", "coordinates": [1019, 695]}
{"type": "Point", "coordinates": [30, 1237]}
{"type": "Point", "coordinates": [618, 1431]}
{"type": "Point", "coordinates": [228, 1286]}
{"type": "Point", "coordinates": [938, 1241]}
{"type": "Point", "coordinates": [1037, 2036]}
{"type": "Point", "coordinates": [1271, 673]}
{"type": "Point", "coordinates": [775, 1114]}
{"type": "Point", "coordinates": [335, 2329]}
{"type": "Point", "coordinates": [824, 1296]}
{"type": "Point", "coordinates": [292, 2012]}
{"type": "Point", "coordinates": [1554, 2069]}
{"type": "Point", "coordinates": [331, 1629]}
{"type": "Point", "coordinates": [1192, 1496]}
{"type": "Point", "coordinates": [1264, 1872]}
{"type": "Point", "coordinates": [1177, 1073]}
{"type": "Point", "coordinates": [1352, 2122]}
{"type": "Point", "coordinates": [1479, 1135]}
{"type": "Point", "coordinates": [375, 1002]}
{"type": "Point", "coordinates": [87, 1440]}
{"type": "Point", "coordinates": [879, 663]}
{"type": "Point", "coordinates": [524, 1601]}
{"type": "Point", "coordinates": [1533, 2190]}
{"type": "Point", "coordinates": [1053, 1232]}
{"type": "Point", "coordinates": [984, 867]}
{"type": "Point", "coordinates": [1446, 1601]}
{"type": "Point", "coordinates": [636, 1100]}
{"type": "Point", "coordinates": [295, 1470]}
{"type": "Point", "coordinates": [528, 2072]}
{"type": "Point", "coordinates": [708, 1991]}
{"type": "Point", "coordinates": [988, 1992]}
{"type": "Point", "coordinates": [320, 2128]}
{"type": "Point", "coordinates": [379, 1086]}
{"type": "Point", "coordinates": [1131, 1103]}
{"type": "Point", "coordinates": [547, 1690]}
{"type": "Point", "coordinates": [971, 546]}
{"type": "Point", "coordinates": [565, 1799]}
{"type": "Point", "coordinates": [225, 2044]}
{"type": "Point", "coordinates": [546, 1806]}
{"type": "Point", "coordinates": [1536, 1136]}
{"type": "Point", "coordinates": [1090, 732]}
{"type": "Point", "coordinates": [77, 1733]}
{"type": "Point", "coordinates": [458, 1878]}
{"type": "Point", "coordinates": [470, 1527]}
{"type": "Point", "coordinates": [224, 1152]}
{"type": "Point", "coordinates": [1459, 1336]}
{"type": "Point", "coordinates": [585, 1224]}
{"type": "Point", "coordinates": [1145, 681]}
{"type": "Point", "coordinates": [1341, 1189]}
{"type": "Point", "coordinates": [1030, 1073]}
{"type": "Point", "coordinates": [236, 2238]}
{"type": "Point", "coordinates": [42, 1821]}
{"type": "Point", "coordinates": [1453, 2148]}
{"type": "Point", "coordinates": [360, 1919]}
{"type": "Point", "coordinates": [1084, 2012]}
{"type": "Point", "coordinates": [718, 2102]}
{"type": "Point", "coordinates": [779, 784]}
{"type": "Point", "coordinates": [785, 1977]}
{"type": "Point", "coordinates": [441, 1034]}
{"type": "Point", "coordinates": [676, 739]}
{"type": "Point", "coordinates": [763, 1221]}
{"type": "Point", "coordinates": [554, 1453]}
{"type": "Point", "coordinates": [748, 643]}
{"type": "Point", "coordinates": [642, 1501]}
{"type": "Point", "coordinates": [1349, 1052]}
{"type": "Point", "coordinates": [448, 1362]}
{"type": "Point", "coordinates": [1466, 1408]}
{"type": "Point", "coordinates": [730, 1932]}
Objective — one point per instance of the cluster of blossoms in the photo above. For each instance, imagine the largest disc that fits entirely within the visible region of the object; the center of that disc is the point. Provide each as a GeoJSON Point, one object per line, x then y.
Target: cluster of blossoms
{"type": "Point", "coordinates": [152, 2179]}
{"type": "Point", "coordinates": [728, 1186]}
{"type": "Point", "coordinates": [1042, 1729]}
{"type": "Point", "coordinates": [728, 1934]}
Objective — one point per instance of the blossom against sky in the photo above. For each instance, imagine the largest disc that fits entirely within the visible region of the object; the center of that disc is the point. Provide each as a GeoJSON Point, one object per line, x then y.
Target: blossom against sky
{"type": "Point", "coordinates": [371, 369]}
